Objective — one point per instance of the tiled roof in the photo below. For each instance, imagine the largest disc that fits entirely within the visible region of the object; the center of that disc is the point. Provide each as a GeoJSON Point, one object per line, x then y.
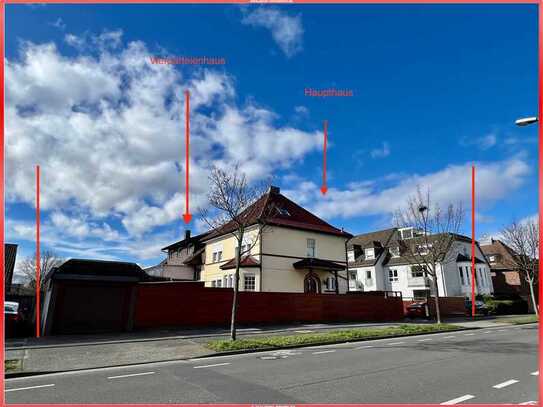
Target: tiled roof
{"type": "Point", "coordinates": [276, 209]}
{"type": "Point", "coordinates": [185, 242]}
{"type": "Point", "coordinates": [248, 261]}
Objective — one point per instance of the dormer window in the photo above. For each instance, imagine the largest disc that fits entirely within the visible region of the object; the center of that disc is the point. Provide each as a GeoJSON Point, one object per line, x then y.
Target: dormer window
{"type": "Point", "coordinates": [395, 251]}
{"type": "Point", "coordinates": [369, 253]}
{"type": "Point", "coordinates": [350, 255]}
{"type": "Point", "coordinates": [406, 233]}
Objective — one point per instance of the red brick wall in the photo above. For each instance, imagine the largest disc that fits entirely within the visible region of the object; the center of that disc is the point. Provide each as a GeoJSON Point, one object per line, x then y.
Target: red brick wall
{"type": "Point", "coordinates": [191, 304]}
{"type": "Point", "coordinates": [448, 306]}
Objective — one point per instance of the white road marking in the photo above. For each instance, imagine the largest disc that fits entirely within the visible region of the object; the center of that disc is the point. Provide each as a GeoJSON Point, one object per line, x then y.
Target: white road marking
{"type": "Point", "coordinates": [505, 384]}
{"type": "Point", "coordinates": [364, 347]}
{"type": "Point", "coordinates": [451, 336]}
{"type": "Point", "coordinates": [457, 400]}
{"type": "Point", "coordinates": [216, 364]}
{"type": "Point", "coordinates": [424, 340]}
{"type": "Point", "coordinates": [305, 331]}
{"type": "Point", "coordinates": [528, 403]}
{"type": "Point", "coordinates": [30, 387]}
{"type": "Point", "coordinates": [395, 343]}
{"type": "Point", "coordinates": [469, 334]}
{"type": "Point", "coordinates": [536, 373]}
{"type": "Point", "coordinates": [323, 351]}
{"type": "Point", "coordinates": [502, 330]}
{"type": "Point", "coordinates": [487, 332]}
{"type": "Point", "coordinates": [130, 375]}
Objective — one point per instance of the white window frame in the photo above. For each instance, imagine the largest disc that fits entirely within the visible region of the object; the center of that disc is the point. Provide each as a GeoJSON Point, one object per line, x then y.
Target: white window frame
{"type": "Point", "coordinates": [462, 278]}
{"type": "Point", "coordinates": [311, 250]}
{"type": "Point", "coordinates": [393, 275]}
{"type": "Point", "coordinates": [369, 253]}
{"type": "Point", "coordinates": [250, 276]}
{"type": "Point", "coordinates": [350, 255]}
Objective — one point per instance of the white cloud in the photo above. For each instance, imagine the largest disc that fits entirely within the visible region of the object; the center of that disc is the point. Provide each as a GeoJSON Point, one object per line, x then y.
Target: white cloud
{"type": "Point", "coordinates": [106, 126]}
{"type": "Point", "coordinates": [286, 30]}
{"type": "Point", "coordinates": [495, 180]}
{"type": "Point", "coordinates": [381, 152]}
{"type": "Point", "coordinates": [483, 143]}
{"type": "Point", "coordinates": [58, 23]}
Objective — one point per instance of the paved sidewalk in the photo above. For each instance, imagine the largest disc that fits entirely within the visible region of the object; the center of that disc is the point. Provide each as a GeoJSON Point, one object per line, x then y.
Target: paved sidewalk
{"type": "Point", "coordinates": [63, 353]}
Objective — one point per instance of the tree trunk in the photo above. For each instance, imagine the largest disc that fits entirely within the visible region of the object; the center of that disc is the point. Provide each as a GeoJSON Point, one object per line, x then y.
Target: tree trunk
{"type": "Point", "coordinates": [532, 295]}
{"type": "Point", "coordinates": [236, 288]}
{"type": "Point", "coordinates": [436, 289]}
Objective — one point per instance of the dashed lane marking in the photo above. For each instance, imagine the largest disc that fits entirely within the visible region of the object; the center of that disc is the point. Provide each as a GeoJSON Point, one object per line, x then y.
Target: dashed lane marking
{"type": "Point", "coordinates": [216, 364]}
{"type": "Point", "coordinates": [469, 334]}
{"type": "Point", "coordinates": [395, 343]}
{"type": "Point", "coordinates": [450, 336]}
{"type": "Point", "coordinates": [323, 351]}
{"type": "Point", "coordinates": [505, 384]}
{"type": "Point", "coordinates": [458, 400]}
{"type": "Point", "coordinates": [30, 387]}
{"type": "Point", "coordinates": [365, 347]}
{"type": "Point", "coordinates": [131, 375]}
{"type": "Point", "coordinates": [424, 340]}
{"type": "Point", "coordinates": [536, 373]}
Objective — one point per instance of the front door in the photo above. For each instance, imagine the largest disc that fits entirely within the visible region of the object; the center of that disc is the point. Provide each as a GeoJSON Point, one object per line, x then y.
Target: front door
{"type": "Point", "coordinates": [312, 284]}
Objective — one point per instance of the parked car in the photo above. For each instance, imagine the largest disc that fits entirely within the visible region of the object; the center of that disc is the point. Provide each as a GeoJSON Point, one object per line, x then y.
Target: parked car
{"type": "Point", "coordinates": [13, 317]}
{"type": "Point", "coordinates": [480, 308]}
{"type": "Point", "coordinates": [418, 310]}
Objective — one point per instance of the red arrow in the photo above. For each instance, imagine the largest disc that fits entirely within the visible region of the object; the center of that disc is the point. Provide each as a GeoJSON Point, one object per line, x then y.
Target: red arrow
{"type": "Point", "coordinates": [324, 188]}
{"type": "Point", "coordinates": [187, 216]}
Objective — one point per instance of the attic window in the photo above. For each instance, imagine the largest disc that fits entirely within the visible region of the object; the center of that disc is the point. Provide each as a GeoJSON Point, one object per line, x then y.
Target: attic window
{"type": "Point", "coordinates": [370, 253]}
{"type": "Point", "coordinates": [283, 211]}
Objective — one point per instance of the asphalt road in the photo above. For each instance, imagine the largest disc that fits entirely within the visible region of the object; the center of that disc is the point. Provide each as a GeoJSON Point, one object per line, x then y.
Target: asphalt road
{"type": "Point", "coordinates": [495, 365]}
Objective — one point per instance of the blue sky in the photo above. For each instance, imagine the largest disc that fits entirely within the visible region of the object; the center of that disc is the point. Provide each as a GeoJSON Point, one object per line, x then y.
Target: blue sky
{"type": "Point", "coordinates": [437, 88]}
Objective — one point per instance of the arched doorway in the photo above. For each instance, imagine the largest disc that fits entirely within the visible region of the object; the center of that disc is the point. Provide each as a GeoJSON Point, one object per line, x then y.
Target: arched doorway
{"type": "Point", "coordinates": [312, 284]}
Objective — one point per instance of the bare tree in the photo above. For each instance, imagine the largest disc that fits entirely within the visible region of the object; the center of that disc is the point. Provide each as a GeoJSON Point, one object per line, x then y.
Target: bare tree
{"type": "Point", "coordinates": [434, 234]}
{"type": "Point", "coordinates": [232, 198]}
{"type": "Point", "coordinates": [48, 261]}
{"type": "Point", "coordinates": [523, 238]}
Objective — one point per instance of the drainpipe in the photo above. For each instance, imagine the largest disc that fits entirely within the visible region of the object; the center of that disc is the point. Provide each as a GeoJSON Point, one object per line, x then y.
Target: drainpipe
{"type": "Point", "coordinates": [346, 267]}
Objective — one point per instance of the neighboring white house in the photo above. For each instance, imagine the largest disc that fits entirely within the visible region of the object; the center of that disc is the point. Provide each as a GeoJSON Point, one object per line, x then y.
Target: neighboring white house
{"type": "Point", "coordinates": [378, 261]}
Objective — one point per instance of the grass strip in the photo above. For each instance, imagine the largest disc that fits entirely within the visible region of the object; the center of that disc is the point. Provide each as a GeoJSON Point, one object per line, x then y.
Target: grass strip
{"type": "Point", "coordinates": [530, 319]}
{"type": "Point", "coordinates": [251, 343]}
{"type": "Point", "coordinates": [12, 365]}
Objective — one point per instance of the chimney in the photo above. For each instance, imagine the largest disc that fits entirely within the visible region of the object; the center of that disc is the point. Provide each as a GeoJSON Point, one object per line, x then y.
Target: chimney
{"type": "Point", "coordinates": [274, 190]}
{"type": "Point", "coordinates": [187, 234]}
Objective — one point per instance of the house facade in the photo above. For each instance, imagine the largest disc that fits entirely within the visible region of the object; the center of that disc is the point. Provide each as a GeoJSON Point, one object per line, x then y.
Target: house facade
{"type": "Point", "coordinates": [184, 260]}
{"type": "Point", "coordinates": [506, 277]}
{"type": "Point", "coordinates": [294, 252]}
{"type": "Point", "coordinates": [384, 261]}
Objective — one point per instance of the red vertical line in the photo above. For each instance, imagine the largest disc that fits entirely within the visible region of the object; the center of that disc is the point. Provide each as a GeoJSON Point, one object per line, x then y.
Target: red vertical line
{"type": "Point", "coordinates": [187, 149]}
{"type": "Point", "coordinates": [473, 241]}
{"type": "Point", "coordinates": [38, 265]}
{"type": "Point", "coordinates": [324, 155]}
{"type": "Point", "coordinates": [2, 268]}
{"type": "Point", "coordinates": [540, 116]}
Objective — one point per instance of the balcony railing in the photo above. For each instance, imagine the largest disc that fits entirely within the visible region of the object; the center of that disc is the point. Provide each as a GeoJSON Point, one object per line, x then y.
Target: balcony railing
{"type": "Point", "coordinates": [418, 282]}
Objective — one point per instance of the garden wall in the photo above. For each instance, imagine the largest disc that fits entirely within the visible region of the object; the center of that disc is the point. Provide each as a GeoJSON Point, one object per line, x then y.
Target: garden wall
{"type": "Point", "coordinates": [161, 304]}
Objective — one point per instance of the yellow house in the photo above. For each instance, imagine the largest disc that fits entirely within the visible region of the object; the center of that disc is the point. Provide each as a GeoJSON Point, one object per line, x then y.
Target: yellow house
{"type": "Point", "coordinates": [295, 252]}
